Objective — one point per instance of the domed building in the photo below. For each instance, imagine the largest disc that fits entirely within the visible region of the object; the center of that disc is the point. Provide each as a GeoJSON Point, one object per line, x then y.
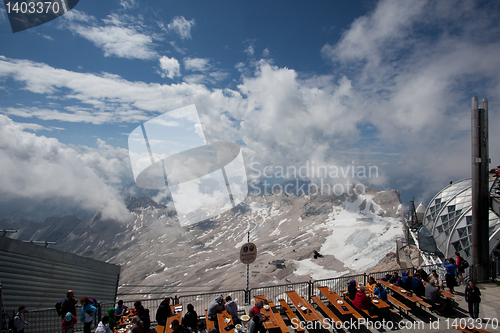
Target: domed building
{"type": "Point", "coordinates": [449, 217]}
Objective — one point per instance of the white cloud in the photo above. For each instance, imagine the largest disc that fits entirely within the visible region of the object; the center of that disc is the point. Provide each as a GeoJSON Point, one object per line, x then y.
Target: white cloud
{"type": "Point", "coordinates": [266, 53]}
{"type": "Point", "coordinates": [197, 64]}
{"type": "Point", "coordinates": [120, 36]}
{"type": "Point", "coordinates": [37, 127]}
{"type": "Point", "coordinates": [250, 50]}
{"type": "Point", "coordinates": [170, 67]}
{"type": "Point", "coordinates": [38, 168]}
{"type": "Point", "coordinates": [181, 26]}
{"type": "Point", "coordinates": [3, 15]}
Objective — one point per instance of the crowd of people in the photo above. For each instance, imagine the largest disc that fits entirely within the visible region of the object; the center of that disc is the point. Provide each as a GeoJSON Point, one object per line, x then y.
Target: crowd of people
{"type": "Point", "coordinates": [421, 283]}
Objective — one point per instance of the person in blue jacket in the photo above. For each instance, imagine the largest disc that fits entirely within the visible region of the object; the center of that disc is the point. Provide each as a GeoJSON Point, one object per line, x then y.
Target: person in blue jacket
{"type": "Point", "coordinates": [406, 279]}
{"type": "Point", "coordinates": [380, 292]}
{"type": "Point", "coordinates": [88, 312]}
{"type": "Point", "coordinates": [451, 269]}
{"type": "Point", "coordinates": [417, 286]}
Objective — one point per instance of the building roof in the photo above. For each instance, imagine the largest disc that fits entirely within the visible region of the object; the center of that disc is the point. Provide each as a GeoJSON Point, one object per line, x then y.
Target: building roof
{"type": "Point", "coordinates": [449, 217]}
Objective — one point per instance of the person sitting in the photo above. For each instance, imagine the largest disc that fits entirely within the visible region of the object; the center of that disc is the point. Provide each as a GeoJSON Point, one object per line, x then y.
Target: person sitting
{"type": "Point", "coordinates": [433, 296]}
{"type": "Point", "coordinates": [371, 284]}
{"type": "Point", "coordinates": [363, 302]}
{"type": "Point", "coordinates": [417, 286]}
{"type": "Point", "coordinates": [380, 292]}
{"type": "Point", "coordinates": [232, 309]}
{"type": "Point", "coordinates": [136, 304]}
{"type": "Point", "coordinates": [257, 308]}
{"type": "Point", "coordinates": [143, 315]}
{"type": "Point", "coordinates": [215, 307]}
{"type": "Point", "coordinates": [103, 326]}
{"type": "Point", "coordinates": [190, 319]}
{"type": "Point", "coordinates": [423, 274]}
{"type": "Point", "coordinates": [352, 290]}
{"type": "Point", "coordinates": [255, 323]}
{"type": "Point", "coordinates": [395, 279]}
{"type": "Point", "coordinates": [201, 328]}
{"type": "Point", "coordinates": [406, 279]}
{"type": "Point", "coordinates": [138, 326]}
{"type": "Point", "coordinates": [164, 311]}
{"type": "Point", "coordinates": [176, 327]}
{"type": "Point", "coordinates": [111, 315]}
{"type": "Point", "coordinates": [438, 282]}
{"type": "Point", "coordinates": [120, 310]}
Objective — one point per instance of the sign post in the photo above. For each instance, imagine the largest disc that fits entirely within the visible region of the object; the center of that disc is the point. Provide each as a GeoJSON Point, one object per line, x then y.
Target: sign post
{"type": "Point", "coordinates": [248, 254]}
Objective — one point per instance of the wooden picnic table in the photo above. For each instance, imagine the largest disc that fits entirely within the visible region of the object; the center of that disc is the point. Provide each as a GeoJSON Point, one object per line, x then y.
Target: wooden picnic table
{"type": "Point", "coordinates": [304, 308]}
{"type": "Point", "coordinates": [222, 318]}
{"type": "Point", "coordinates": [335, 299]}
{"type": "Point", "coordinates": [414, 298]}
{"type": "Point", "coordinates": [272, 322]}
{"type": "Point", "coordinates": [378, 302]}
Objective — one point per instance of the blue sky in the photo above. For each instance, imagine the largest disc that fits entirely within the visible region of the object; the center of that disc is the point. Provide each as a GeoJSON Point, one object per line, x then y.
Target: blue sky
{"type": "Point", "coordinates": [373, 83]}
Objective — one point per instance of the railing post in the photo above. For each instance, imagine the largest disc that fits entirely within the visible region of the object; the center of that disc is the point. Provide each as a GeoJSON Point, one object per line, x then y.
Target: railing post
{"type": "Point", "coordinates": [364, 279]}
{"type": "Point", "coordinates": [309, 289]}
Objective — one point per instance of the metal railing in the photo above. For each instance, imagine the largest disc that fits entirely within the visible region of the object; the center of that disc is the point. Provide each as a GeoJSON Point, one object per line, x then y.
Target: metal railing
{"type": "Point", "coordinates": [47, 320]}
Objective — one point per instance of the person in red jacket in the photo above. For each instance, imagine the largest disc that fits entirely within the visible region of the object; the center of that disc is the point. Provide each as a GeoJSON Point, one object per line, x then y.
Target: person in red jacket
{"type": "Point", "coordinates": [363, 302]}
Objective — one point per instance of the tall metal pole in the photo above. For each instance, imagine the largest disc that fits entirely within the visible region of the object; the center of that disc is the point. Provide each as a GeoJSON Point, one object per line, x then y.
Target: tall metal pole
{"type": "Point", "coordinates": [248, 241]}
{"type": "Point", "coordinates": [480, 181]}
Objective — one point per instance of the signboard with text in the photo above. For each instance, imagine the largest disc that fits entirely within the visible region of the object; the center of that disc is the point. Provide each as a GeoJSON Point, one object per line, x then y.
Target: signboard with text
{"type": "Point", "coordinates": [248, 253]}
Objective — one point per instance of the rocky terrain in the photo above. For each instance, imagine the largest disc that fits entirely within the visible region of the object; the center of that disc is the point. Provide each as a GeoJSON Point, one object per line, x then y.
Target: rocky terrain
{"type": "Point", "coordinates": [353, 233]}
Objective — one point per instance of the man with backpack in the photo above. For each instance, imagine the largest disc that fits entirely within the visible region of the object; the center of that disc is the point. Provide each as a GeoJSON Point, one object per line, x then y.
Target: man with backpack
{"type": "Point", "coordinates": [68, 304]}
{"type": "Point", "coordinates": [462, 264]}
{"type": "Point", "coordinates": [19, 320]}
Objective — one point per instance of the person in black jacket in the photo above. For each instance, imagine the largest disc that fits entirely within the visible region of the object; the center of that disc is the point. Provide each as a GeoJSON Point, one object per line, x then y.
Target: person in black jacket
{"type": "Point", "coordinates": [352, 290]}
{"type": "Point", "coordinates": [164, 311]}
{"type": "Point", "coordinates": [190, 319]}
{"type": "Point", "coordinates": [473, 298]}
{"type": "Point", "coordinates": [144, 317]}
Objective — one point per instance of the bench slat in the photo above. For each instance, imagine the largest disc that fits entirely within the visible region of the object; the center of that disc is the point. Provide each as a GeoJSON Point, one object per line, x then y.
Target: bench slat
{"type": "Point", "coordinates": [290, 313]}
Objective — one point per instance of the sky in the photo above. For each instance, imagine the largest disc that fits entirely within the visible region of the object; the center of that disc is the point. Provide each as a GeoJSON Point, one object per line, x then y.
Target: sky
{"type": "Point", "coordinates": [337, 84]}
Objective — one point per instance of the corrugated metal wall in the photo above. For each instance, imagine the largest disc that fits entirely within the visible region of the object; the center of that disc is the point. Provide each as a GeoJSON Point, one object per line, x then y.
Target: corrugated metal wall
{"type": "Point", "coordinates": [39, 277]}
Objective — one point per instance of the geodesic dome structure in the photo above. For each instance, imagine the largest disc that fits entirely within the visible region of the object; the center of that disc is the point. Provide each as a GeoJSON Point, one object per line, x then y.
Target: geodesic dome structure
{"type": "Point", "coordinates": [449, 217]}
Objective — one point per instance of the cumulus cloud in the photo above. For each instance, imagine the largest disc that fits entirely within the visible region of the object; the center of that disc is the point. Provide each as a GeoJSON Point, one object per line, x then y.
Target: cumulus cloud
{"type": "Point", "coordinates": [181, 26]}
{"type": "Point", "coordinates": [170, 67]}
{"type": "Point", "coordinates": [36, 167]}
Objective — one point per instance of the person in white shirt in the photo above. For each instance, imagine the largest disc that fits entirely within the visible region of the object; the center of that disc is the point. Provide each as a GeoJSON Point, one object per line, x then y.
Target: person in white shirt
{"type": "Point", "coordinates": [103, 326]}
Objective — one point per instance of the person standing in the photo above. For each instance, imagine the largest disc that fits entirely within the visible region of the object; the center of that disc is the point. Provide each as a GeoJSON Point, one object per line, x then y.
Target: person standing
{"type": "Point", "coordinates": [69, 304]}
{"type": "Point", "coordinates": [20, 319]}
{"type": "Point", "coordinates": [473, 298]}
{"type": "Point", "coordinates": [190, 319]}
{"type": "Point", "coordinates": [88, 312]}
{"type": "Point", "coordinates": [451, 269]}
{"type": "Point", "coordinates": [459, 262]}
{"type": "Point", "coordinates": [164, 311]}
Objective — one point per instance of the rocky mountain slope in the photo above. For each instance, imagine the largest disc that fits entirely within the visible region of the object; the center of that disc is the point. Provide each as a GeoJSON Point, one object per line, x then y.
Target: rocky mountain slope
{"type": "Point", "coordinates": [351, 232]}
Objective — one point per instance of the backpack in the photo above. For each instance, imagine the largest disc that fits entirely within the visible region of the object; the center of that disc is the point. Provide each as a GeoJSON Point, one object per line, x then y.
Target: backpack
{"type": "Point", "coordinates": [11, 326]}
{"type": "Point", "coordinates": [464, 263]}
{"type": "Point", "coordinates": [93, 301]}
{"type": "Point", "coordinates": [59, 307]}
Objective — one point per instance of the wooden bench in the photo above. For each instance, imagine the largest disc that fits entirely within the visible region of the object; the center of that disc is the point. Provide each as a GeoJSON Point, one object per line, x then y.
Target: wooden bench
{"type": "Point", "coordinates": [281, 322]}
{"type": "Point", "coordinates": [398, 304]}
{"type": "Point", "coordinates": [326, 310]}
{"type": "Point", "coordinates": [290, 314]}
{"type": "Point", "coordinates": [365, 311]}
{"type": "Point", "coordinates": [210, 324]}
{"type": "Point", "coordinates": [160, 329]}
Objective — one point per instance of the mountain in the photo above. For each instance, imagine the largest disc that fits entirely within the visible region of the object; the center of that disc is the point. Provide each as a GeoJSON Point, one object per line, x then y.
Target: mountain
{"type": "Point", "coordinates": [352, 232]}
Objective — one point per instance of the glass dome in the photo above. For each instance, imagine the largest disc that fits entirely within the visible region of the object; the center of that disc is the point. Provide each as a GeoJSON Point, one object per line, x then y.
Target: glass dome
{"type": "Point", "coordinates": [449, 217]}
